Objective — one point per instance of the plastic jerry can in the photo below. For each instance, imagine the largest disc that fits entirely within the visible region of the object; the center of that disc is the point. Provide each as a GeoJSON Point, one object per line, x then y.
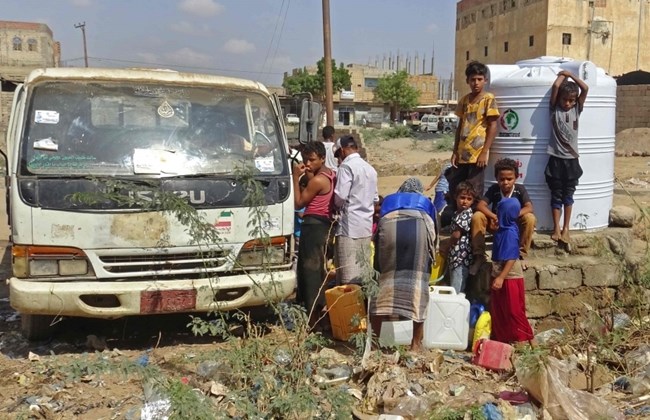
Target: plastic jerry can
{"type": "Point", "coordinates": [493, 355]}
{"type": "Point", "coordinates": [345, 303]}
{"type": "Point", "coordinates": [447, 323]}
{"type": "Point", "coordinates": [396, 333]}
{"type": "Point", "coordinates": [438, 269]}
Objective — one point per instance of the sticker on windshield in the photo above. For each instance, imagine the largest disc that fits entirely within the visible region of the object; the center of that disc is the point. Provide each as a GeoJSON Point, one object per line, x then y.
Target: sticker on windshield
{"type": "Point", "coordinates": [165, 110]}
{"type": "Point", "coordinates": [146, 161]}
{"type": "Point", "coordinates": [46, 117]}
{"type": "Point", "coordinates": [265, 164]}
{"type": "Point", "coordinates": [46, 144]}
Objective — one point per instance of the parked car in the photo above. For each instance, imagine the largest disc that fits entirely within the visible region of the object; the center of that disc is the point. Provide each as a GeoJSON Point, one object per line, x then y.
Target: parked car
{"type": "Point", "coordinates": [292, 119]}
{"type": "Point", "coordinates": [429, 123]}
{"type": "Point", "coordinates": [449, 123]}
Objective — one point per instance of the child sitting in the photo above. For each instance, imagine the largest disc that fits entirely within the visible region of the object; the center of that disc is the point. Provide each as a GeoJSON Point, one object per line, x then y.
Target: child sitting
{"type": "Point", "coordinates": [460, 253]}
{"type": "Point", "coordinates": [506, 172]}
{"type": "Point", "coordinates": [508, 301]}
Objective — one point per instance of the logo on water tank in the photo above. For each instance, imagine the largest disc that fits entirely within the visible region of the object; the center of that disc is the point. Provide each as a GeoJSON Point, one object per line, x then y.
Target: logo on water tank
{"type": "Point", "coordinates": [509, 120]}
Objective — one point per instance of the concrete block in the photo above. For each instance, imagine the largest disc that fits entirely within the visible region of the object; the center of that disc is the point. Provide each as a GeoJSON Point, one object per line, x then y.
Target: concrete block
{"type": "Point", "coordinates": [602, 275]}
{"type": "Point", "coordinates": [538, 305]}
{"type": "Point", "coordinates": [558, 278]}
{"type": "Point", "coordinates": [530, 279]}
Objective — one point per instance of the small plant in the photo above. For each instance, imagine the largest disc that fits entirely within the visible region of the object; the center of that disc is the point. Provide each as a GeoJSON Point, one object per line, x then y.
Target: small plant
{"type": "Point", "coordinates": [444, 143]}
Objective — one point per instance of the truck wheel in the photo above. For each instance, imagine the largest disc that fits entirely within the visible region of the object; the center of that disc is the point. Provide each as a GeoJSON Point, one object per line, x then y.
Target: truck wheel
{"type": "Point", "coordinates": [37, 327]}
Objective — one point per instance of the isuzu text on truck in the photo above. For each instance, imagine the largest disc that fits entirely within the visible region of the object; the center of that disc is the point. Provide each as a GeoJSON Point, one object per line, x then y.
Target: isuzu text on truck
{"type": "Point", "coordinates": [75, 130]}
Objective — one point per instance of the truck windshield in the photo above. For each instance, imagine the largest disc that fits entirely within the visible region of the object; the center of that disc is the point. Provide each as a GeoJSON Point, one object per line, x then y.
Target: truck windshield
{"type": "Point", "coordinates": [102, 128]}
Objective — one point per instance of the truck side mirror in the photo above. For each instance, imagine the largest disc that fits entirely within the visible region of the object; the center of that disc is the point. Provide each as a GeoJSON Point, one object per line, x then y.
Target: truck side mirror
{"type": "Point", "coordinates": [309, 118]}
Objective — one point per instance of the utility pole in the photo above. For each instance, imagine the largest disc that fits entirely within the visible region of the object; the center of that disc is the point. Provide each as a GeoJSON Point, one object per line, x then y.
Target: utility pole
{"type": "Point", "coordinates": [327, 41]}
{"type": "Point", "coordinates": [82, 26]}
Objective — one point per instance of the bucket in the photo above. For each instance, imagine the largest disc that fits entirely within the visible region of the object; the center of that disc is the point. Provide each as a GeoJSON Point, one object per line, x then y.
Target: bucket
{"type": "Point", "coordinates": [522, 91]}
{"type": "Point", "coordinates": [345, 303]}
{"type": "Point", "coordinates": [447, 323]}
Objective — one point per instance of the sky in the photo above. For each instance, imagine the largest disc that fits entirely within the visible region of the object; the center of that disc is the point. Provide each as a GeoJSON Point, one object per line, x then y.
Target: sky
{"type": "Point", "coordinates": [253, 39]}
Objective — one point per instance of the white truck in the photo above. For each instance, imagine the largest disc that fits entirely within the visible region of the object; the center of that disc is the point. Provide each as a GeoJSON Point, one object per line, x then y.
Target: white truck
{"type": "Point", "coordinates": [82, 130]}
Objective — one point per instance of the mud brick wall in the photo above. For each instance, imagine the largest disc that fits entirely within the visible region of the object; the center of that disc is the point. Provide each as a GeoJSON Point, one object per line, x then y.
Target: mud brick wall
{"type": "Point", "coordinates": [632, 107]}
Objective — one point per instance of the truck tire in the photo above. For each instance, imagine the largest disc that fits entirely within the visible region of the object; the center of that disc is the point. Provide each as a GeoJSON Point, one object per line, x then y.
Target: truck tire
{"type": "Point", "coordinates": [37, 327]}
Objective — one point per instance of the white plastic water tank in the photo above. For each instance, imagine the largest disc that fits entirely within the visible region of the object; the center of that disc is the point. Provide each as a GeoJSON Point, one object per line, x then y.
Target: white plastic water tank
{"type": "Point", "coordinates": [523, 92]}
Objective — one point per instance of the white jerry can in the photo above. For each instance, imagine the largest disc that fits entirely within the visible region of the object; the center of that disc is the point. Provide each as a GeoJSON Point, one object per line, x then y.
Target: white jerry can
{"type": "Point", "coordinates": [447, 323]}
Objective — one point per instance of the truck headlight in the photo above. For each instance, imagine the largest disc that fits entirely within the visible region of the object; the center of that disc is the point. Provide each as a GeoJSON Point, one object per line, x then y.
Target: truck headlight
{"type": "Point", "coordinates": [48, 261]}
{"type": "Point", "coordinates": [258, 253]}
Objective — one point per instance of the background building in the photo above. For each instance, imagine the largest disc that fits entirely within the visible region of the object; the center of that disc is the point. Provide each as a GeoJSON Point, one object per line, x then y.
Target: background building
{"type": "Point", "coordinates": [352, 105]}
{"type": "Point", "coordinates": [614, 34]}
{"type": "Point", "coordinates": [24, 46]}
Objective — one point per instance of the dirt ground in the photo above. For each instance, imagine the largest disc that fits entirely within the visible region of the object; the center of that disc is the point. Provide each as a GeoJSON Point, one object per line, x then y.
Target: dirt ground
{"type": "Point", "coordinates": [78, 376]}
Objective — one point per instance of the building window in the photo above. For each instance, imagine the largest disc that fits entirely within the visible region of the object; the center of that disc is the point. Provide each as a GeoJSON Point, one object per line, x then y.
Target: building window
{"type": "Point", "coordinates": [566, 39]}
{"type": "Point", "coordinates": [466, 55]}
{"type": "Point", "coordinates": [370, 82]}
{"type": "Point", "coordinates": [18, 44]}
{"type": "Point", "coordinates": [531, 40]}
{"type": "Point", "coordinates": [505, 46]}
{"type": "Point", "coordinates": [31, 44]}
{"type": "Point", "coordinates": [485, 51]}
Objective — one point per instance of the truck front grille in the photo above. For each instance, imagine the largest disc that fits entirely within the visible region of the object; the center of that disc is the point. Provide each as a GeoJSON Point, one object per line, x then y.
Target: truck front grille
{"type": "Point", "coordinates": [165, 264]}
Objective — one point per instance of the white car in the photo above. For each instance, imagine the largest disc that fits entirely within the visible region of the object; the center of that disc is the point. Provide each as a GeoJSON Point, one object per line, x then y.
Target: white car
{"type": "Point", "coordinates": [292, 119]}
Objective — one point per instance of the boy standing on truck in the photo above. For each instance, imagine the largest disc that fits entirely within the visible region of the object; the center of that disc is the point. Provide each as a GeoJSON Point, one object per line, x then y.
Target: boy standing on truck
{"type": "Point", "coordinates": [563, 169]}
{"type": "Point", "coordinates": [476, 131]}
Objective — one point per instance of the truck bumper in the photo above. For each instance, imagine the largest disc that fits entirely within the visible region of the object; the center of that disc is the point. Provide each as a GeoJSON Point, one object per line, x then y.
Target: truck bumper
{"type": "Point", "coordinates": [114, 299]}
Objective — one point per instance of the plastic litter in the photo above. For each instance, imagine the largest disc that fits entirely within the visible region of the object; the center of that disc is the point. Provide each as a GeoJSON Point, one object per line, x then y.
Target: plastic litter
{"type": "Point", "coordinates": [549, 335]}
{"type": "Point", "coordinates": [492, 412]}
{"type": "Point", "coordinates": [621, 320]}
{"type": "Point", "coordinates": [143, 360]}
{"type": "Point", "coordinates": [525, 412]}
{"type": "Point", "coordinates": [546, 383]}
{"type": "Point", "coordinates": [514, 398]}
{"type": "Point", "coordinates": [411, 407]}
{"type": "Point", "coordinates": [282, 357]}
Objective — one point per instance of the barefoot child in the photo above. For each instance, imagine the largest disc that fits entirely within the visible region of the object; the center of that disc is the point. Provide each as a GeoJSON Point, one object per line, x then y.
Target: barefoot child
{"type": "Point", "coordinates": [563, 169]}
{"type": "Point", "coordinates": [508, 302]}
{"type": "Point", "coordinates": [460, 251]}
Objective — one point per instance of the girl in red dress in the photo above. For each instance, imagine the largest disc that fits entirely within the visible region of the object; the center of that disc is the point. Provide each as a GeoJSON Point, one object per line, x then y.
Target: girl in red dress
{"type": "Point", "coordinates": [508, 301]}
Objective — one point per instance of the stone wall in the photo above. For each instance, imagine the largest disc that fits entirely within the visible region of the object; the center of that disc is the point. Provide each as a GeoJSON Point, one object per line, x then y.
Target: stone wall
{"type": "Point", "coordinates": [562, 288]}
{"type": "Point", "coordinates": [632, 107]}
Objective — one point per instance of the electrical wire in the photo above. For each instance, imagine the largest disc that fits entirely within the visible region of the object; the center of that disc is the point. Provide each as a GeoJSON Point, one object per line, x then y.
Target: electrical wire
{"type": "Point", "coordinates": [275, 28]}
{"type": "Point", "coordinates": [277, 45]}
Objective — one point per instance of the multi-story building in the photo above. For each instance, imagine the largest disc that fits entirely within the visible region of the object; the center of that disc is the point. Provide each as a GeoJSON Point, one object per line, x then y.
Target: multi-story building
{"type": "Point", "coordinates": [359, 101]}
{"type": "Point", "coordinates": [614, 34]}
{"type": "Point", "coordinates": [24, 46]}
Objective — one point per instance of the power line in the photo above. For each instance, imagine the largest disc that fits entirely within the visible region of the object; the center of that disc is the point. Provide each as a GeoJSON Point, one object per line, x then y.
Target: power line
{"type": "Point", "coordinates": [275, 28]}
{"type": "Point", "coordinates": [168, 65]}
{"type": "Point", "coordinates": [277, 45]}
